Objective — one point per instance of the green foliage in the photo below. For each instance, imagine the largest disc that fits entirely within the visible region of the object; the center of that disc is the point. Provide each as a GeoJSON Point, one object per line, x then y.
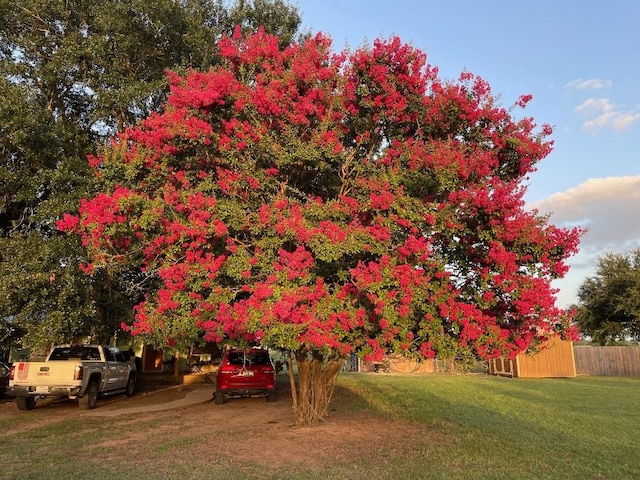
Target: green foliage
{"type": "Point", "coordinates": [71, 74]}
{"type": "Point", "coordinates": [608, 310]}
{"type": "Point", "coordinates": [10, 337]}
{"type": "Point", "coordinates": [275, 16]}
{"type": "Point", "coordinates": [41, 176]}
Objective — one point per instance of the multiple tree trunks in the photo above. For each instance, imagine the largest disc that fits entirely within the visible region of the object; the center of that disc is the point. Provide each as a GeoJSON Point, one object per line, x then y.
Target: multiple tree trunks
{"type": "Point", "coordinates": [316, 383]}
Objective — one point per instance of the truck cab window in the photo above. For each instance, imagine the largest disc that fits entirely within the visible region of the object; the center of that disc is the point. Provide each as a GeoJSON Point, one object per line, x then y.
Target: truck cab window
{"type": "Point", "coordinates": [108, 353]}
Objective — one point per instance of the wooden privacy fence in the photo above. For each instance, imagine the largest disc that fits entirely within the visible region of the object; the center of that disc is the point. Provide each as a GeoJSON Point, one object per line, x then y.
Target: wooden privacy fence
{"type": "Point", "coordinates": [609, 361]}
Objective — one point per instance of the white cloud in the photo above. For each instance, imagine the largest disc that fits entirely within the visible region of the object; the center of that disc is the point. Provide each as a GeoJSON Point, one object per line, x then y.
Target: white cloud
{"type": "Point", "coordinates": [602, 113]}
{"type": "Point", "coordinates": [589, 84]}
{"type": "Point", "coordinates": [608, 207]}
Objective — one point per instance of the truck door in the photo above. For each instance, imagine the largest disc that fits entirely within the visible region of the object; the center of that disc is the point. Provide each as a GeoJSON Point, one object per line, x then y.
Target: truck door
{"type": "Point", "coordinates": [113, 372]}
{"type": "Point", "coordinates": [123, 368]}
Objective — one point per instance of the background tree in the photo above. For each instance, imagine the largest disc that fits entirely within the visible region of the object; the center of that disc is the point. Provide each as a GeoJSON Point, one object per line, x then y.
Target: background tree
{"type": "Point", "coordinates": [71, 74]}
{"type": "Point", "coordinates": [275, 16]}
{"type": "Point", "coordinates": [609, 302]}
{"type": "Point", "coordinates": [327, 205]}
{"type": "Point", "coordinates": [41, 174]}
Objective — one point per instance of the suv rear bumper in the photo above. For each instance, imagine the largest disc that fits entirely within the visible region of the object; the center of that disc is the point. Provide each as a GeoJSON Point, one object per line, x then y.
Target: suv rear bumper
{"type": "Point", "coordinates": [246, 392]}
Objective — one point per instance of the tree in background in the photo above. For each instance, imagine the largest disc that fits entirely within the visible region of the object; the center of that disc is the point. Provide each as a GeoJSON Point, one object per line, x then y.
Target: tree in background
{"type": "Point", "coordinates": [330, 204]}
{"type": "Point", "coordinates": [71, 74]}
{"type": "Point", "coordinates": [41, 174]}
{"type": "Point", "coordinates": [609, 302]}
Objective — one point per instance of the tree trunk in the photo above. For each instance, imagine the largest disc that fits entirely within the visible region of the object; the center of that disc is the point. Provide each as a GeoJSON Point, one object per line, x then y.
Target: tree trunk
{"type": "Point", "coordinates": [176, 364]}
{"type": "Point", "coordinates": [316, 381]}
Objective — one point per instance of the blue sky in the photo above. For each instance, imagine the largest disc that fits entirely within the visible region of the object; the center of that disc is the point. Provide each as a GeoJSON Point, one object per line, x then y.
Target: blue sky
{"type": "Point", "coordinates": [581, 62]}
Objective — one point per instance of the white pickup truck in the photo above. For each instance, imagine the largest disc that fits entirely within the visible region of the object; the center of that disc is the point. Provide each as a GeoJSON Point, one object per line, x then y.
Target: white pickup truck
{"type": "Point", "coordinates": [79, 372]}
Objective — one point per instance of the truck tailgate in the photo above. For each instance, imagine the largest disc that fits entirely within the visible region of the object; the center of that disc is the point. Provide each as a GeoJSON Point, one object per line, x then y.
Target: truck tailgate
{"type": "Point", "coordinates": [45, 373]}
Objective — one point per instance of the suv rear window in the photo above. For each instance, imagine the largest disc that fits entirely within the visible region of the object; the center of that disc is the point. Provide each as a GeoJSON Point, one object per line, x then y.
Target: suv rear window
{"type": "Point", "coordinates": [248, 358]}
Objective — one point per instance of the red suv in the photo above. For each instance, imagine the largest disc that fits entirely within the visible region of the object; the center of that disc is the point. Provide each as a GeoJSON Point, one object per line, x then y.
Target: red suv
{"type": "Point", "coordinates": [245, 373]}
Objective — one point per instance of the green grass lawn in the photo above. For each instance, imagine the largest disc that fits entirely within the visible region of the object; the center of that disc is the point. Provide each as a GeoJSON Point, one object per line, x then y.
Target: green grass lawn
{"type": "Point", "coordinates": [580, 428]}
{"type": "Point", "coordinates": [458, 427]}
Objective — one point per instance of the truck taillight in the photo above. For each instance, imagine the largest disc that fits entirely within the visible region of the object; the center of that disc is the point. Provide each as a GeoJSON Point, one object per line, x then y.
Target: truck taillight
{"type": "Point", "coordinates": [78, 373]}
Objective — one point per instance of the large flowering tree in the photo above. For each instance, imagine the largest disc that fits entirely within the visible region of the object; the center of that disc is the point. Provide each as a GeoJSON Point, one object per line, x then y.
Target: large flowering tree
{"type": "Point", "coordinates": [331, 204]}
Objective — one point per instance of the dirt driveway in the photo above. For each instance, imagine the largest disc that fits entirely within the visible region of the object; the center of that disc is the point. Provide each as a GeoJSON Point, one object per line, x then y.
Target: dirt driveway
{"type": "Point", "coordinates": [274, 437]}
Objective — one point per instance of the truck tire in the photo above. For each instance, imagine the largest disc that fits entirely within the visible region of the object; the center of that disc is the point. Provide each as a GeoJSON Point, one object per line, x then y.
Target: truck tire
{"type": "Point", "coordinates": [88, 401]}
{"type": "Point", "coordinates": [26, 403]}
{"type": "Point", "coordinates": [130, 388]}
{"type": "Point", "coordinates": [218, 398]}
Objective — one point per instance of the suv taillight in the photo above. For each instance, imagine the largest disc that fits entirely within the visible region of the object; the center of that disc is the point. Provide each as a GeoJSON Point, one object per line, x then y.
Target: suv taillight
{"type": "Point", "coordinates": [12, 372]}
{"type": "Point", "coordinates": [78, 373]}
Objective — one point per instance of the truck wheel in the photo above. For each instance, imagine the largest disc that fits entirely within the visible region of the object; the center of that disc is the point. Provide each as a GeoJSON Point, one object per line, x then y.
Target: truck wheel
{"type": "Point", "coordinates": [88, 401]}
{"type": "Point", "coordinates": [26, 403]}
{"type": "Point", "coordinates": [218, 398]}
{"type": "Point", "coordinates": [130, 388]}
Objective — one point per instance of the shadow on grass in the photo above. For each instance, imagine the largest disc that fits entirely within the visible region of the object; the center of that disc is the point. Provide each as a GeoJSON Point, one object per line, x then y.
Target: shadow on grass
{"type": "Point", "coordinates": [517, 428]}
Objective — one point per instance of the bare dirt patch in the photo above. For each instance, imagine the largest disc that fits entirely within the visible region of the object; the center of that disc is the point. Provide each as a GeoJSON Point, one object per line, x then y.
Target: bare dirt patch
{"type": "Point", "coordinates": [241, 430]}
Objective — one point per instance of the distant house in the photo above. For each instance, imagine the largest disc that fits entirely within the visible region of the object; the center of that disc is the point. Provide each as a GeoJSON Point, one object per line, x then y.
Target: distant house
{"type": "Point", "coordinates": [556, 360]}
{"type": "Point", "coordinates": [163, 361]}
